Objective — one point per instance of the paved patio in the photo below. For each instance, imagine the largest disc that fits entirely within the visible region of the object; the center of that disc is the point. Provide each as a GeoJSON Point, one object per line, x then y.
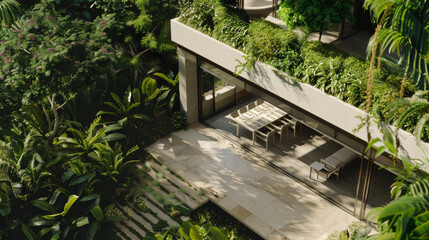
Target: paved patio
{"type": "Point", "coordinates": [273, 204]}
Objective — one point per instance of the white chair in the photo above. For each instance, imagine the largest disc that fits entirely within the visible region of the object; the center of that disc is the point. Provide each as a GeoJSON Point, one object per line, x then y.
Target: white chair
{"type": "Point", "coordinates": [243, 110]}
{"type": "Point", "coordinates": [251, 106]}
{"type": "Point", "coordinates": [232, 120]}
{"type": "Point", "coordinates": [259, 102]}
{"type": "Point", "coordinates": [280, 127]}
{"type": "Point", "coordinates": [335, 162]}
{"type": "Point", "coordinates": [265, 134]}
{"type": "Point", "coordinates": [291, 123]}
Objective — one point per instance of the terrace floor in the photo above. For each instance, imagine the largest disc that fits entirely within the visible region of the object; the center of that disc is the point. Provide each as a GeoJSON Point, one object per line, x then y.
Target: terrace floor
{"type": "Point", "coordinates": [269, 191]}
{"type": "Point", "coordinates": [273, 204]}
{"type": "Point", "coordinates": [294, 155]}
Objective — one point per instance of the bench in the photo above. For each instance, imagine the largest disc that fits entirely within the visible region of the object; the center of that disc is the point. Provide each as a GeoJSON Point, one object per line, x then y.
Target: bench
{"type": "Point", "coordinates": [335, 162]}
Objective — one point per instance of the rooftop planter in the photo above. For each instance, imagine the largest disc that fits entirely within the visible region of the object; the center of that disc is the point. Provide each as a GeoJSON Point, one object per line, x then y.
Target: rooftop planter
{"type": "Point", "coordinates": [342, 115]}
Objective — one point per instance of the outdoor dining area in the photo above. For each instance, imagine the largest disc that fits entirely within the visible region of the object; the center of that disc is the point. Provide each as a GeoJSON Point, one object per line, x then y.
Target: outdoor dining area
{"type": "Point", "coordinates": [263, 120]}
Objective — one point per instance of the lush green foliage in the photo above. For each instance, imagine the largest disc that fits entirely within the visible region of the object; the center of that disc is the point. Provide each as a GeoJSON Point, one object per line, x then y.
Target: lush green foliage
{"type": "Point", "coordinates": [344, 76]}
{"type": "Point", "coordinates": [404, 30]}
{"type": "Point", "coordinates": [50, 54]}
{"type": "Point", "coordinates": [63, 184]}
{"type": "Point", "coordinates": [202, 226]}
{"type": "Point", "coordinates": [59, 173]}
{"type": "Point", "coordinates": [195, 232]}
{"type": "Point", "coordinates": [267, 44]}
{"type": "Point", "coordinates": [325, 67]}
{"type": "Point", "coordinates": [229, 226]}
{"type": "Point", "coordinates": [215, 19]}
{"type": "Point", "coordinates": [406, 217]}
{"type": "Point", "coordinates": [155, 26]}
{"type": "Point", "coordinates": [412, 114]}
{"type": "Point", "coordinates": [355, 231]}
{"type": "Point", "coordinates": [314, 14]}
{"type": "Point", "coordinates": [74, 8]}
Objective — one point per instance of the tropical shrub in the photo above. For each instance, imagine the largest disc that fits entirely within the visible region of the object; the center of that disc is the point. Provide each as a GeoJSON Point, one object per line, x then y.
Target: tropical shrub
{"type": "Point", "coordinates": [273, 45]}
{"type": "Point", "coordinates": [50, 54]}
{"type": "Point", "coordinates": [403, 27]}
{"type": "Point", "coordinates": [313, 14]}
{"type": "Point", "coordinates": [63, 181]}
{"type": "Point", "coordinates": [154, 24]}
{"type": "Point", "coordinates": [214, 18]}
{"type": "Point", "coordinates": [74, 8]}
{"type": "Point", "coordinates": [344, 76]}
{"type": "Point", "coordinates": [194, 232]}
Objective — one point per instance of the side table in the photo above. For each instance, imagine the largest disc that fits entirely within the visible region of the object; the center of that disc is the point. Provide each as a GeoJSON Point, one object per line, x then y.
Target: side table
{"type": "Point", "coordinates": [317, 166]}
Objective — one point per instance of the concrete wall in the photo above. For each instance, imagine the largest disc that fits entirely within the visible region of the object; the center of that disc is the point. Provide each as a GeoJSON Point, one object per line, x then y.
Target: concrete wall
{"type": "Point", "coordinates": [188, 84]}
{"type": "Point", "coordinates": [328, 108]}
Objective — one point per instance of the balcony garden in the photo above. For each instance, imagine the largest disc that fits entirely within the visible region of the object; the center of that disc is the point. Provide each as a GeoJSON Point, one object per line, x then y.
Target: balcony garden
{"type": "Point", "coordinates": [325, 67]}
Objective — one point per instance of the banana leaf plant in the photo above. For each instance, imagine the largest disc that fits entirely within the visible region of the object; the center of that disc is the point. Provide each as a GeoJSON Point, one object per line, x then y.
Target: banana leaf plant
{"type": "Point", "coordinates": [78, 144]}
{"type": "Point", "coordinates": [406, 217]}
{"type": "Point", "coordinates": [128, 108]}
{"type": "Point", "coordinates": [112, 163]}
{"type": "Point", "coordinates": [170, 92]}
{"type": "Point", "coordinates": [78, 218]}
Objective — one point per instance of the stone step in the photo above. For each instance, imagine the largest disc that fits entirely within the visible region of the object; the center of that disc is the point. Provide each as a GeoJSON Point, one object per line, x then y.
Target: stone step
{"type": "Point", "coordinates": [156, 189]}
{"type": "Point", "coordinates": [160, 212]}
{"type": "Point", "coordinates": [180, 183]}
{"type": "Point", "coordinates": [147, 215]}
{"type": "Point", "coordinates": [124, 229]}
{"type": "Point", "coordinates": [136, 217]}
{"type": "Point", "coordinates": [131, 224]}
{"type": "Point", "coordinates": [173, 189]}
{"type": "Point", "coordinates": [119, 235]}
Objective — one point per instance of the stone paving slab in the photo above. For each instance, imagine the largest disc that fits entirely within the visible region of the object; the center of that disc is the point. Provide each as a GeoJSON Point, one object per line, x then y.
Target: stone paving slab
{"type": "Point", "coordinates": [273, 205]}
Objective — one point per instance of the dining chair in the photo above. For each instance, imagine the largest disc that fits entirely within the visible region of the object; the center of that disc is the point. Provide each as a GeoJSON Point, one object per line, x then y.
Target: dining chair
{"type": "Point", "coordinates": [292, 124]}
{"type": "Point", "coordinates": [265, 134]}
{"type": "Point", "coordinates": [243, 110]}
{"type": "Point", "coordinates": [232, 120]}
{"type": "Point", "coordinates": [280, 127]}
{"type": "Point", "coordinates": [251, 106]}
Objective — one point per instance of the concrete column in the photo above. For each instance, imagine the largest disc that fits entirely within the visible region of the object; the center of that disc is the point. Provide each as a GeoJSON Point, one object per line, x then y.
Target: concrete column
{"type": "Point", "coordinates": [188, 84]}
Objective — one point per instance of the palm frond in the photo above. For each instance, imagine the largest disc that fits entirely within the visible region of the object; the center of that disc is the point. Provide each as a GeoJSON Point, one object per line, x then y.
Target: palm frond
{"type": "Point", "coordinates": [9, 10]}
{"type": "Point", "coordinates": [420, 186]}
{"type": "Point", "coordinates": [405, 31]}
{"type": "Point", "coordinates": [418, 131]}
{"type": "Point", "coordinates": [414, 108]}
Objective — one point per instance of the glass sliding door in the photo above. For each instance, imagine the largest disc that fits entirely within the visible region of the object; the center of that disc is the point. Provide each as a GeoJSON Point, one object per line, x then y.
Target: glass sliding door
{"type": "Point", "coordinates": [207, 95]}
{"type": "Point", "coordinates": [216, 94]}
{"type": "Point", "coordinates": [224, 94]}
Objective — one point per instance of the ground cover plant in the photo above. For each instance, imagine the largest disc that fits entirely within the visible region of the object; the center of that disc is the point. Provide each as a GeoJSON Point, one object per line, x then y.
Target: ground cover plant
{"type": "Point", "coordinates": [314, 15]}
{"type": "Point", "coordinates": [51, 54]}
{"type": "Point", "coordinates": [210, 213]}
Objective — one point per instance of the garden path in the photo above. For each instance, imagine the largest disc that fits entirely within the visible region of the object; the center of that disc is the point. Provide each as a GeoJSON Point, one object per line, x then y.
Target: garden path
{"type": "Point", "coordinates": [157, 191]}
{"type": "Point", "coordinates": [272, 204]}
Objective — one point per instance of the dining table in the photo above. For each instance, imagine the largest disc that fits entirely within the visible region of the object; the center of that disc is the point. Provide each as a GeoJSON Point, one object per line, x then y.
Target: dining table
{"type": "Point", "coordinates": [258, 117]}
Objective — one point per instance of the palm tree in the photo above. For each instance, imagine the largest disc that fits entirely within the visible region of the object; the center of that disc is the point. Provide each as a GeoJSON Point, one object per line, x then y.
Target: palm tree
{"type": "Point", "coordinates": [9, 9]}
{"type": "Point", "coordinates": [415, 108]}
{"type": "Point", "coordinates": [404, 29]}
